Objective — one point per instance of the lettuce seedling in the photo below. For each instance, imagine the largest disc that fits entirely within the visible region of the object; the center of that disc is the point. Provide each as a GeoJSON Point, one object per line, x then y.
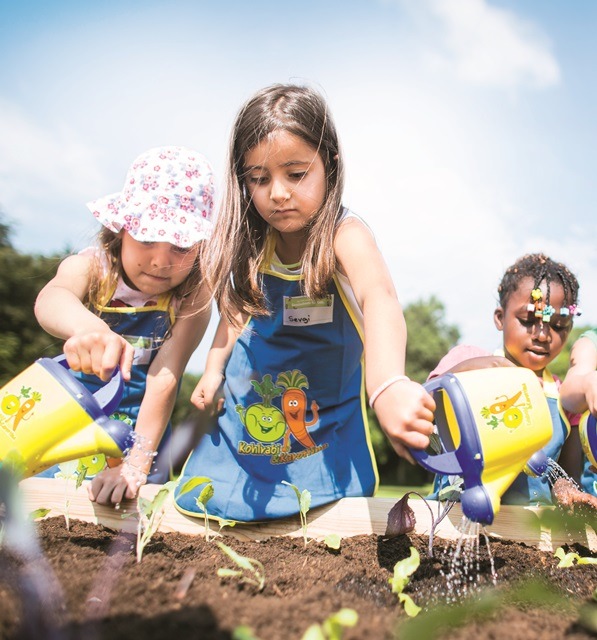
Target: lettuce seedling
{"type": "Point", "coordinates": [250, 570]}
{"type": "Point", "coordinates": [151, 513]}
{"type": "Point", "coordinates": [333, 627]}
{"type": "Point", "coordinates": [304, 502]}
{"type": "Point", "coordinates": [332, 541]}
{"type": "Point", "coordinates": [203, 498]}
{"type": "Point", "coordinates": [568, 559]}
{"type": "Point", "coordinates": [70, 471]}
{"type": "Point", "coordinates": [403, 569]}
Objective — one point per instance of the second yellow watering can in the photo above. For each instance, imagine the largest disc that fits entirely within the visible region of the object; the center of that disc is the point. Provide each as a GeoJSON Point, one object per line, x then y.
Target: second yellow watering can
{"type": "Point", "coordinates": [47, 416]}
{"type": "Point", "coordinates": [492, 424]}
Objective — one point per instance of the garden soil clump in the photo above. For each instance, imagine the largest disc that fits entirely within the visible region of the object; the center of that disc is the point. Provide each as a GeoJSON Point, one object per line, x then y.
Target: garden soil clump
{"type": "Point", "coordinates": [92, 587]}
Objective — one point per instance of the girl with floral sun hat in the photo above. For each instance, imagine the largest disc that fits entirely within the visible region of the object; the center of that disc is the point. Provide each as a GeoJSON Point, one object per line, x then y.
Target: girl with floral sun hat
{"type": "Point", "coordinates": [138, 301]}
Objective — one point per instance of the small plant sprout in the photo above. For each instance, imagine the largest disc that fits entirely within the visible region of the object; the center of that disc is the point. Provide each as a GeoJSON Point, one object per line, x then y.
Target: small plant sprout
{"type": "Point", "coordinates": [403, 569]}
{"type": "Point", "coordinates": [205, 495]}
{"type": "Point", "coordinates": [568, 559]}
{"type": "Point", "coordinates": [304, 501]}
{"type": "Point", "coordinates": [151, 513]}
{"type": "Point", "coordinates": [38, 514]}
{"type": "Point", "coordinates": [333, 627]}
{"type": "Point", "coordinates": [401, 517]}
{"type": "Point", "coordinates": [332, 541]}
{"type": "Point", "coordinates": [249, 570]}
{"type": "Point", "coordinates": [69, 471]}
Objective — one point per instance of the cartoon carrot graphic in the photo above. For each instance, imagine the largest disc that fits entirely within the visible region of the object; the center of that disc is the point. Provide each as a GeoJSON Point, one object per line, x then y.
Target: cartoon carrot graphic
{"type": "Point", "coordinates": [294, 407]}
{"type": "Point", "coordinates": [500, 407]}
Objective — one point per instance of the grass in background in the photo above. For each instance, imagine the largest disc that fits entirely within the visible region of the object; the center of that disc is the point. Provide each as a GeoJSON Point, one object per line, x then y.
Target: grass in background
{"type": "Point", "coordinates": [397, 491]}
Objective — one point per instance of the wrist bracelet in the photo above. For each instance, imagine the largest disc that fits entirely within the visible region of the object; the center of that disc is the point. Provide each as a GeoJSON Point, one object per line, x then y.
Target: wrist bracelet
{"type": "Point", "coordinates": [384, 385]}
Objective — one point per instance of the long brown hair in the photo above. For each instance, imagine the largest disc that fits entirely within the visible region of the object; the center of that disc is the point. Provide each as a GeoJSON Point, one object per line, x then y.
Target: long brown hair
{"type": "Point", "coordinates": [236, 250]}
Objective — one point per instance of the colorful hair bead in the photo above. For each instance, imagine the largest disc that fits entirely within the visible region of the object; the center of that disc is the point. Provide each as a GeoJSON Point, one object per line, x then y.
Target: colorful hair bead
{"type": "Point", "coordinates": [564, 311]}
{"type": "Point", "coordinates": [536, 294]}
{"type": "Point", "coordinates": [548, 311]}
{"type": "Point", "coordinates": [531, 307]}
{"type": "Point", "coordinates": [539, 306]}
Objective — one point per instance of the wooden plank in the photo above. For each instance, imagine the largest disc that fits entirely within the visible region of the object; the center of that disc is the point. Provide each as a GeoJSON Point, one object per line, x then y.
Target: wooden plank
{"type": "Point", "coordinates": [347, 517]}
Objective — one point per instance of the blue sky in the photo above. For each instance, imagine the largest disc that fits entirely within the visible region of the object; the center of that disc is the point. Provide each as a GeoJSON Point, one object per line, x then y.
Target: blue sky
{"type": "Point", "coordinates": [468, 126]}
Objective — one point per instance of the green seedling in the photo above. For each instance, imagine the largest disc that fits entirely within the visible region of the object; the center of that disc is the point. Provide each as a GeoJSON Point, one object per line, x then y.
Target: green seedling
{"type": "Point", "coordinates": [243, 633]}
{"type": "Point", "coordinates": [70, 471]}
{"type": "Point", "coordinates": [151, 513]}
{"type": "Point", "coordinates": [37, 514]}
{"type": "Point", "coordinates": [568, 559]}
{"type": "Point", "coordinates": [304, 501]}
{"type": "Point", "coordinates": [333, 627]}
{"type": "Point", "coordinates": [249, 570]}
{"type": "Point", "coordinates": [332, 541]}
{"type": "Point", "coordinates": [204, 497]}
{"type": "Point", "coordinates": [403, 569]}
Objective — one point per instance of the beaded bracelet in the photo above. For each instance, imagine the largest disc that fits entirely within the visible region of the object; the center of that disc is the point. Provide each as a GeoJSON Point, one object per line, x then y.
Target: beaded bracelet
{"type": "Point", "coordinates": [384, 385]}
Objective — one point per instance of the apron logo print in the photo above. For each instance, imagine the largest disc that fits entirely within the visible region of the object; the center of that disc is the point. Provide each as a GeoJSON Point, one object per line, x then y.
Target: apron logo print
{"type": "Point", "coordinates": [266, 423]}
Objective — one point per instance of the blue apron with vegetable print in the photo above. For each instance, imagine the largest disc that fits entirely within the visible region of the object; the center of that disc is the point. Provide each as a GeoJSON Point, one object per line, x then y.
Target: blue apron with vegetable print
{"type": "Point", "coordinates": [294, 412]}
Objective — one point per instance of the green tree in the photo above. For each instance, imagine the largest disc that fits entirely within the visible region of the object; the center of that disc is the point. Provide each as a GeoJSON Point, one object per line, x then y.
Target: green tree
{"type": "Point", "coordinates": [22, 340]}
{"type": "Point", "coordinates": [429, 339]}
{"type": "Point", "coordinates": [560, 365]}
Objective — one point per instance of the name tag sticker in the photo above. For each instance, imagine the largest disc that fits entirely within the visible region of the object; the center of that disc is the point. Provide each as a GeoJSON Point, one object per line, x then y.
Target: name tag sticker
{"type": "Point", "coordinates": [303, 311]}
{"type": "Point", "coordinates": [144, 346]}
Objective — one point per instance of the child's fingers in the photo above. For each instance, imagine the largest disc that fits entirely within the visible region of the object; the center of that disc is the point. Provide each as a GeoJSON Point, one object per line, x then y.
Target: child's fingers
{"type": "Point", "coordinates": [126, 360]}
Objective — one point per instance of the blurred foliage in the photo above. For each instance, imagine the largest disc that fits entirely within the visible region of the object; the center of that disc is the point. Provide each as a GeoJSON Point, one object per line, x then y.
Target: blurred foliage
{"type": "Point", "coordinates": [429, 339]}
{"type": "Point", "coordinates": [22, 340]}
{"type": "Point", "coordinates": [183, 407]}
{"type": "Point", "coordinates": [560, 365]}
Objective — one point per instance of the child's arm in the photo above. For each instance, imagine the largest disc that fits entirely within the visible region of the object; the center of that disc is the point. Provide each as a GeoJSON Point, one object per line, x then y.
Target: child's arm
{"type": "Point", "coordinates": [91, 346]}
{"type": "Point", "coordinates": [404, 409]}
{"type": "Point", "coordinates": [123, 481]}
{"type": "Point", "coordinates": [579, 390]}
{"type": "Point", "coordinates": [204, 396]}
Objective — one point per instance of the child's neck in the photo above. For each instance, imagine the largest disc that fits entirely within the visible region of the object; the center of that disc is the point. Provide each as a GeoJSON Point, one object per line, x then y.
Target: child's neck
{"type": "Point", "coordinates": [289, 247]}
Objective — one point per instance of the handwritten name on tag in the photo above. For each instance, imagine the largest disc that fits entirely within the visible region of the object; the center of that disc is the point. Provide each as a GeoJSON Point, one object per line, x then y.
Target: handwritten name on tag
{"type": "Point", "coordinates": [303, 311]}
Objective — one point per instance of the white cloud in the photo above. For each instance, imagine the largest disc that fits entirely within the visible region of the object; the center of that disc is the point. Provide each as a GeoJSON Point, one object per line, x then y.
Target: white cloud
{"type": "Point", "coordinates": [490, 46]}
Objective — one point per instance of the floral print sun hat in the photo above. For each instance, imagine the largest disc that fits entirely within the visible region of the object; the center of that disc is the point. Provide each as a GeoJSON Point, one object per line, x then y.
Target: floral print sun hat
{"type": "Point", "coordinates": [168, 196]}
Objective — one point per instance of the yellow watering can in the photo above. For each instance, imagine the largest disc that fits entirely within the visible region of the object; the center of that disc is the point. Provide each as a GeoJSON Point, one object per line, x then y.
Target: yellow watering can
{"type": "Point", "coordinates": [492, 424]}
{"type": "Point", "coordinates": [47, 416]}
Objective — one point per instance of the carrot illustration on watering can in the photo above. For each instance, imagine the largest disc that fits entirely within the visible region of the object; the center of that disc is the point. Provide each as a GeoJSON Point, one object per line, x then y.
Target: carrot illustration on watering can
{"type": "Point", "coordinates": [294, 408]}
{"type": "Point", "coordinates": [500, 407]}
{"type": "Point", "coordinates": [12, 405]}
{"type": "Point", "coordinates": [511, 415]}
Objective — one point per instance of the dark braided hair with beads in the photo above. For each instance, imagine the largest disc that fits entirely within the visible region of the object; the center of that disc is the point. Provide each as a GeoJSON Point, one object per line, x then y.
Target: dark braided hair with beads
{"type": "Point", "coordinates": [540, 268]}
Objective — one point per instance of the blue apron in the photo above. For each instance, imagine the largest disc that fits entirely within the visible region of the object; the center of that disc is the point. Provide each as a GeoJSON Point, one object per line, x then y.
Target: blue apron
{"type": "Point", "coordinates": [294, 411]}
{"type": "Point", "coordinates": [145, 328]}
{"type": "Point", "coordinates": [525, 489]}
{"type": "Point", "coordinates": [588, 479]}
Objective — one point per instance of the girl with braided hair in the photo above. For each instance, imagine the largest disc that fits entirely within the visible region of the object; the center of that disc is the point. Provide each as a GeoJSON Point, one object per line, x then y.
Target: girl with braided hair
{"type": "Point", "coordinates": [537, 303]}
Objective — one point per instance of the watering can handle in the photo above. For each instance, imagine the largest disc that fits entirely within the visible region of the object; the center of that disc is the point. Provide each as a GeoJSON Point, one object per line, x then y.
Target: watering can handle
{"type": "Point", "coordinates": [108, 397]}
{"type": "Point", "coordinates": [592, 434]}
{"type": "Point", "coordinates": [446, 463]}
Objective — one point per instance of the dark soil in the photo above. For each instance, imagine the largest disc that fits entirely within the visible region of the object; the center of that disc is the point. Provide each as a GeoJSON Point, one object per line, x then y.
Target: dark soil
{"type": "Point", "coordinates": [90, 586]}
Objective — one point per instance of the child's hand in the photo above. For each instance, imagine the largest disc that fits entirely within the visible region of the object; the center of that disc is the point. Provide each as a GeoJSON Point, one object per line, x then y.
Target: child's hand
{"type": "Point", "coordinates": [207, 395]}
{"type": "Point", "coordinates": [405, 413]}
{"type": "Point", "coordinates": [114, 484]}
{"type": "Point", "coordinates": [99, 353]}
